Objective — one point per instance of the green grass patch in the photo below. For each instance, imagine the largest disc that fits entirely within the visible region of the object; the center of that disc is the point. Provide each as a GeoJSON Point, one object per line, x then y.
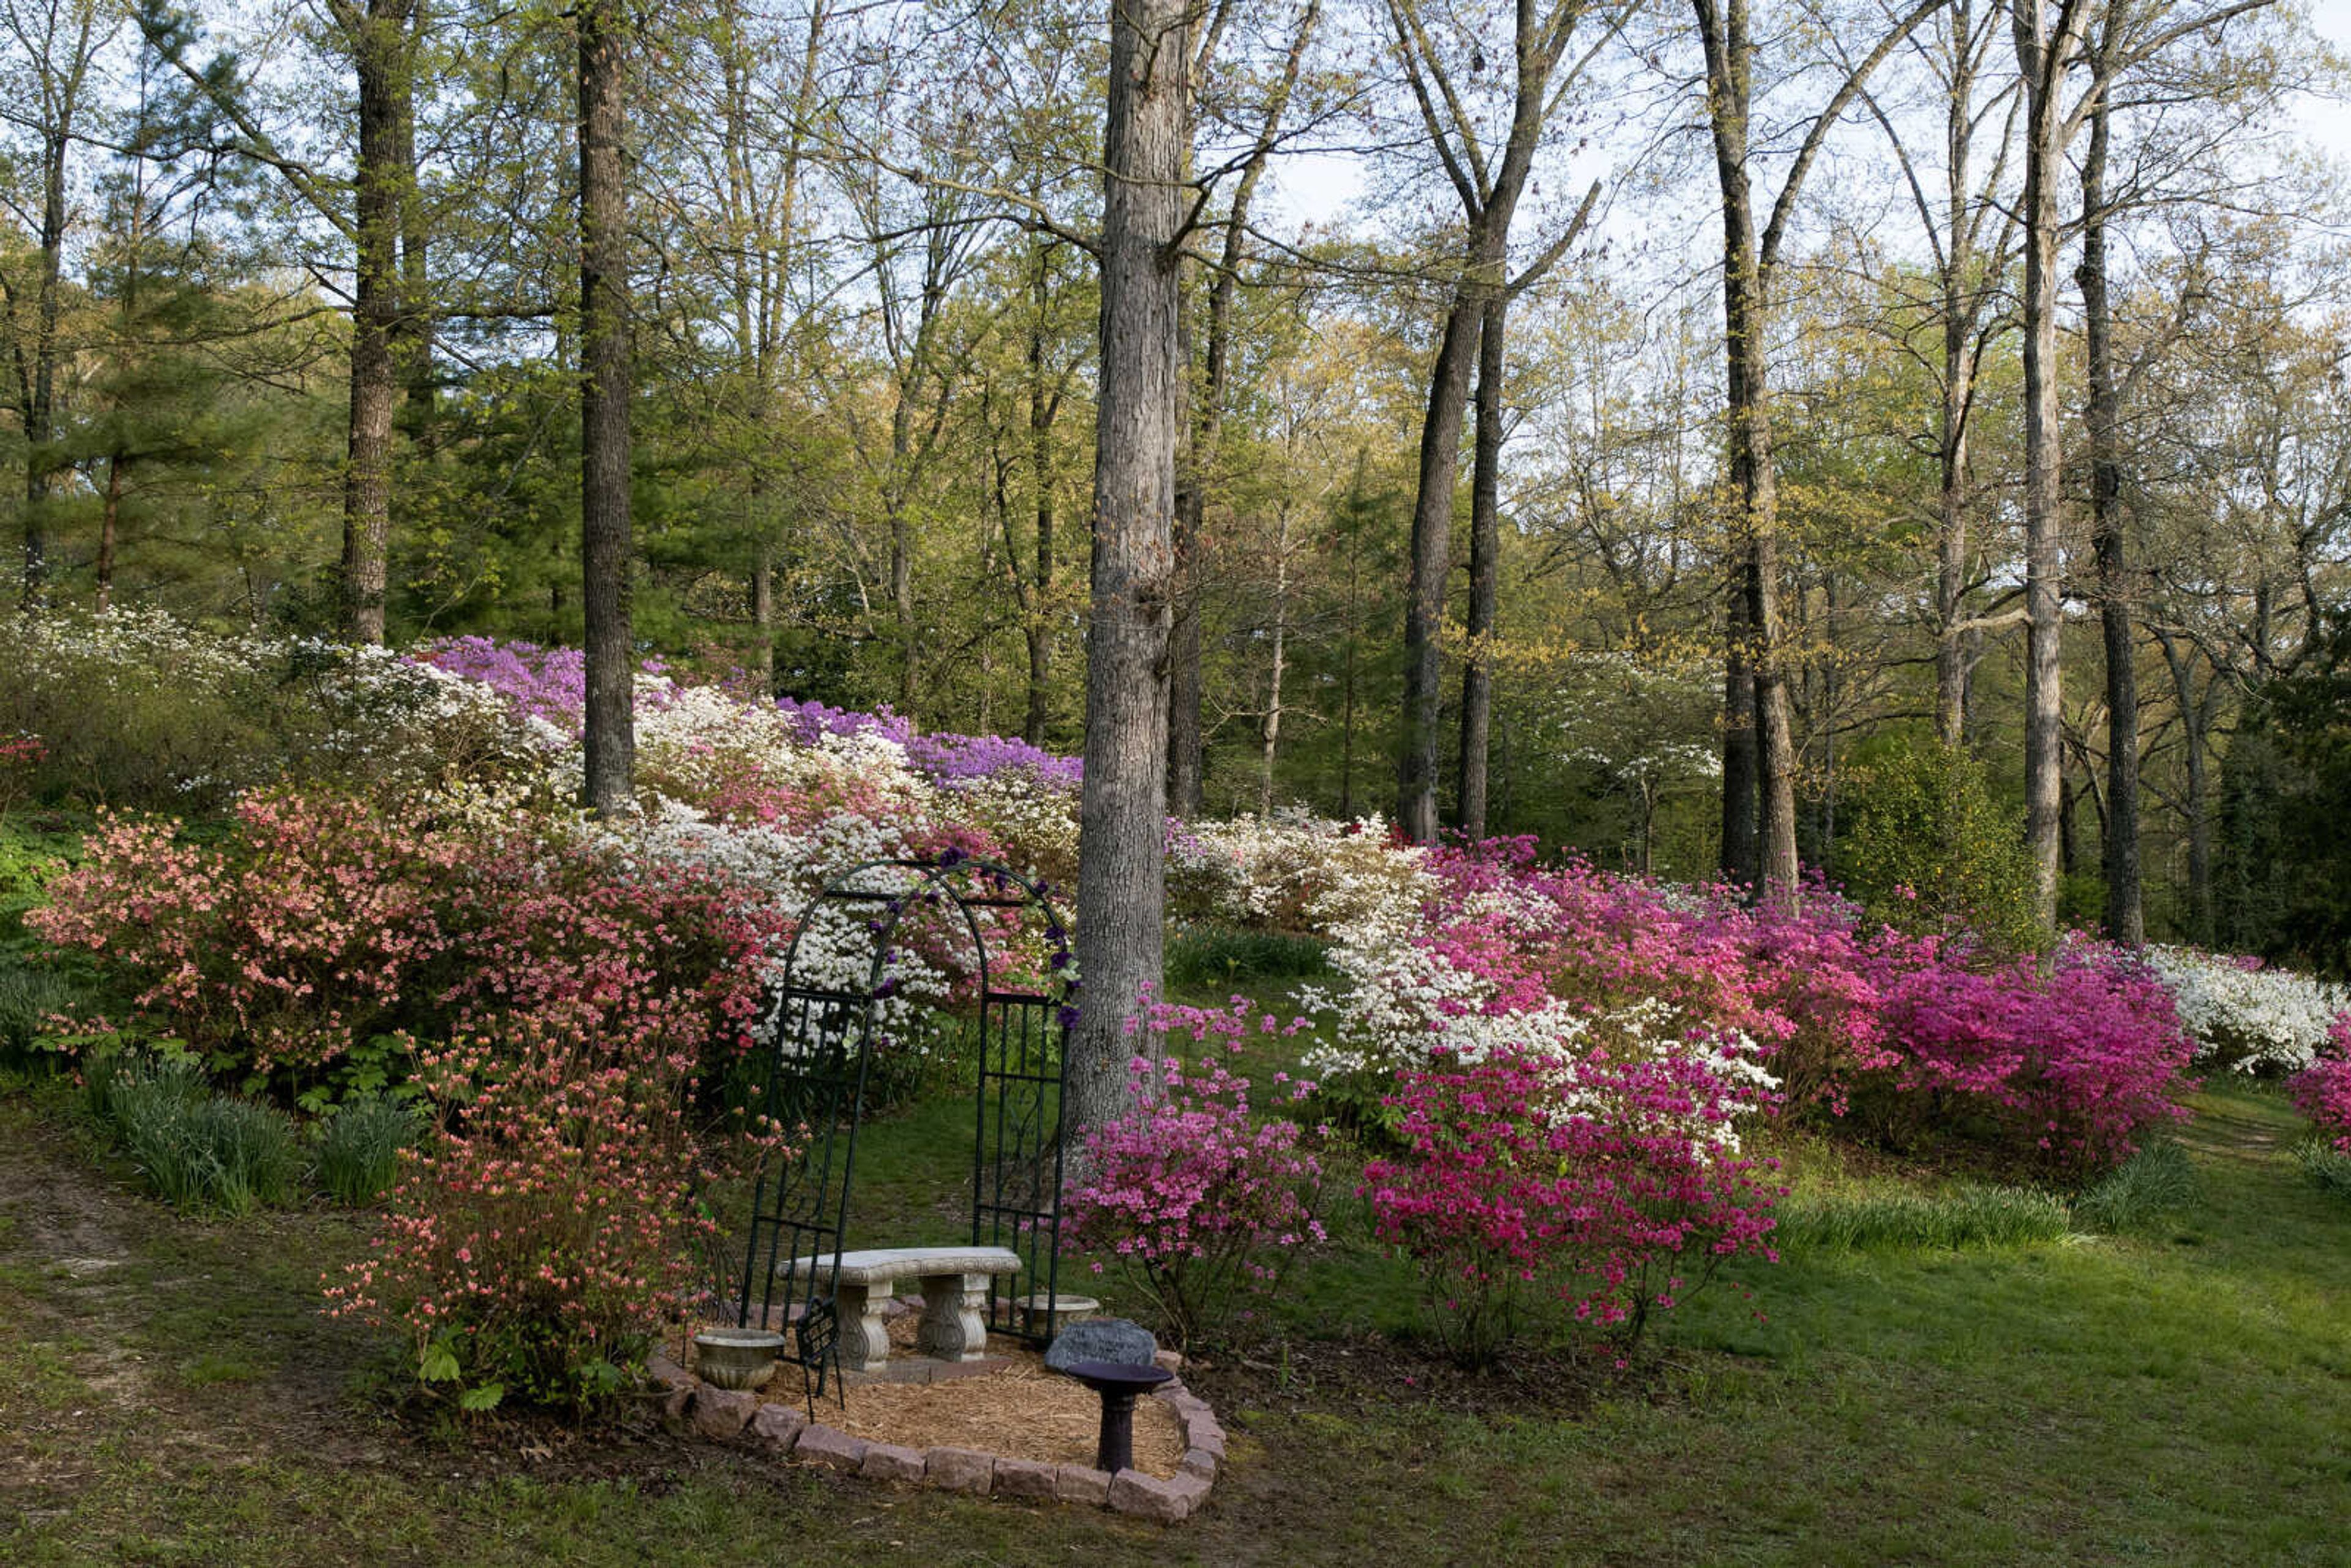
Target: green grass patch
{"type": "Point", "coordinates": [1965, 1215]}
{"type": "Point", "coordinates": [1211, 955]}
{"type": "Point", "coordinates": [357, 1155]}
{"type": "Point", "coordinates": [2328, 1167]}
{"type": "Point", "coordinates": [2155, 1186]}
{"type": "Point", "coordinates": [200, 1151]}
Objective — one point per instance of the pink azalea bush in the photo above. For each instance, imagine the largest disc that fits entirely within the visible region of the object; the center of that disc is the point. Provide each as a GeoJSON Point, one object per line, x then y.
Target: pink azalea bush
{"type": "Point", "coordinates": [1192, 1198]}
{"type": "Point", "coordinates": [307, 945]}
{"type": "Point", "coordinates": [2323, 1090]}
{"type": "Point", "coordinates": [1858, 1024]}
{"type": "Point", "coordinates": [2074, 1065]}
{"type": "Point", "coordinates": [541, 1235]}
{"type": "Point", "coordinates": [1612, 1182]}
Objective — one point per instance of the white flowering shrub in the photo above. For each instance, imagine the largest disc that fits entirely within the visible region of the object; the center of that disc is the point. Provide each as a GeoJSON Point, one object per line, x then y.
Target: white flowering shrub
{"type": "Point", "coordinates": [136, 709]}
{"type": "Point", "coordinates": [2252, 1017]}
{"type": "Point", "coordinates": [1293, 872]}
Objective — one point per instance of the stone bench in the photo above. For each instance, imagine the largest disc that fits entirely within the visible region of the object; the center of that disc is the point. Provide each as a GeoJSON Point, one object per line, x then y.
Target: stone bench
{"type": "Point", "coordinates": [953, 1281]}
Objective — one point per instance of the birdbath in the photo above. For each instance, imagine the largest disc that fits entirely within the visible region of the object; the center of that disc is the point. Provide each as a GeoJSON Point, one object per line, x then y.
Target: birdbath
{"type": "Point", "coordinates": [1118, 1383]}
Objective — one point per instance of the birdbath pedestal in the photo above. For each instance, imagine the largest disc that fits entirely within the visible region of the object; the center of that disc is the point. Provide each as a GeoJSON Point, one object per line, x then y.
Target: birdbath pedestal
{"type": "Point", "coordinates": [1118, 1383]}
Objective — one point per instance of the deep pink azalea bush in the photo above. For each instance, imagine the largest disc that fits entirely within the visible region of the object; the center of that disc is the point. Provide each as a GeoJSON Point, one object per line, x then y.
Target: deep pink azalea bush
{"type": "Point", "coordinates": [1191, 1198]}
{"type": "Point", "coordinates": [541, 1235]}
{"type": "Point", "coordinates": [2074, 1064]}
{"type": "Point", "coordinates": [2323, 1090]}
{"type": "Point", "coordinates": [1611, 1183]}
{"type": "Point", "coordinates": [1859, 1023]}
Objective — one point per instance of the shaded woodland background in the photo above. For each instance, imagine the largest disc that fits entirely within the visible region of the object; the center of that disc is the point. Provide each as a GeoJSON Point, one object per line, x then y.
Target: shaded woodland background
{"type": "Point", "coordinates": [291, 337]}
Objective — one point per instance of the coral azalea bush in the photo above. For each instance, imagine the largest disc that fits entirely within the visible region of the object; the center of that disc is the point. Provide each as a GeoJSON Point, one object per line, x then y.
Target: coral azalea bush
{"type": "Point", "coordinates": [539, 1238]}
{"type": "Point", "coordinates": [320, 934]}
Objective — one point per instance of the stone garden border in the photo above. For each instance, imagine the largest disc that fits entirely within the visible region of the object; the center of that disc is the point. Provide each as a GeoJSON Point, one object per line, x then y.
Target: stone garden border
{"type": "Point", "coordinates": [781, 1432]}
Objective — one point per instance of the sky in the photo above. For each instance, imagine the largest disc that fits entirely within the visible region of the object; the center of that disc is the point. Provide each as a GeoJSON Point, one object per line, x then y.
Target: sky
{"type": "Point", "coordinates": [1317, 188]}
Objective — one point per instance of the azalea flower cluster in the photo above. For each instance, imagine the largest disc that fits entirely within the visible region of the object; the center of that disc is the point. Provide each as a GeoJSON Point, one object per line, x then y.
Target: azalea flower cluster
{"type": "Point", "coordinates": [238, 713]}
{"type": "Point", "coordinates": [2245, 1014]}
{"type": "Point", "coordinates": [1606, 1180]}
{"type": "Point", "coordinates": [323, 933]}
{"type": "Point", "coordinates": [1193, 1197]}
{"type": "Point", "coordinates": [2323, 1090]}
{"type": "Point", "coordinates": [1294, 872]}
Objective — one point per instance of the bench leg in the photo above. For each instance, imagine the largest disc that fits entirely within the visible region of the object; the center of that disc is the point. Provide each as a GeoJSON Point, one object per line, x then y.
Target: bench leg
{"type": "Point", "coordinates": [954, 1324]}
{"type": "Point", "coordinates": [865, 1334]}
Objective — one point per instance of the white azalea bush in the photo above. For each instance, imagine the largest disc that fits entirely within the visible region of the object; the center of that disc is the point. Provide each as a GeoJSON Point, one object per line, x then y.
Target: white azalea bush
{"type": "Point", "coordinates": [1292, 871]}
{"type": "Point", "coordinates": [136, 709]}
{"type": "Point", "coordinates": [2245, 1015]}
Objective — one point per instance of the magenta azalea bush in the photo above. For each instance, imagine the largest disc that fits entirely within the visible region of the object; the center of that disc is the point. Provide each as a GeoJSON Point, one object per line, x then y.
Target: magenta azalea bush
{"type": "Point", "coordinates": [1858, 1024]}
{"type": "Point", "coordinates": [2323, 1090]}
{"type": "Point", "coordinates": [1195, 1201]}
{"type": "Point", "coordinates": [1611, 1183]}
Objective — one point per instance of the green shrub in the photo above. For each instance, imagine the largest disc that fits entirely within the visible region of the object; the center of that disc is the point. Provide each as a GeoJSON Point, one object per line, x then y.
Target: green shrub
{"type": "Point", "coordinates": [359, 1147]}
{"type": "Point", "coordinates": [1220, 954]}
{"type": "Point", "coordinates": [1968, 1215]}
{"type": "Point", "coordinates": [2152, 1185]}
{"type": "Point", "coordinates": [201, 1151]}
{"type": "Point", "coordinates": [1928, 847]}
{"type": "Point", "coordinates": [2327, 1167]}
{"type": "Point", "coordinates": [29, 994]}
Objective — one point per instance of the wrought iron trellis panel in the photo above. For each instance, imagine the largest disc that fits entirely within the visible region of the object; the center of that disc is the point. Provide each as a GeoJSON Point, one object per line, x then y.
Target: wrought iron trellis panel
{"type": "Point", "coordinates": [1016, 1154]}
{"type": "Point", "coordinates": [817, 1073]}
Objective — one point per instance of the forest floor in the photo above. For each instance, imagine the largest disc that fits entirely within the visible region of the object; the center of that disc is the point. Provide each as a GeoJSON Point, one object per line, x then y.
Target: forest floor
{"type": "Point", "coordinates": [169, 1394]}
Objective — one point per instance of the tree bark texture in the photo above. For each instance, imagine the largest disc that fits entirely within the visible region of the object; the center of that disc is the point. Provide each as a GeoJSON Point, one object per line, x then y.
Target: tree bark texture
{"type": "Point", "coordinates": [1429, 566]}
{"type": "Point", "coordinates": [1485, 555]}
{"type": "Point", "coordinates": [2042, 55]}
{"type": "Point", "coordinates": [379, 38]}
{"type": "Point", "coordinates": [1122, 883]}
{"type": "Point", "coordinates": [607, 371]}
{"type": "Point", "coordinates": [2126, 919]}
{"type": "Point", "coordinates": [1754, 481]}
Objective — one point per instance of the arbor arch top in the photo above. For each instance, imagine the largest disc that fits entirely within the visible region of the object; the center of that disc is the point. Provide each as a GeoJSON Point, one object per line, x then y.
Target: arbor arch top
{"type": "Point", "coordinates": [877, 946]}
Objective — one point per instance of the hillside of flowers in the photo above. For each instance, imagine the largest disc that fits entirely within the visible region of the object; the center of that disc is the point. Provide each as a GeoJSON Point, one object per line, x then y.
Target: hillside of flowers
{"type": "Point", "coordinates": [330, 874]}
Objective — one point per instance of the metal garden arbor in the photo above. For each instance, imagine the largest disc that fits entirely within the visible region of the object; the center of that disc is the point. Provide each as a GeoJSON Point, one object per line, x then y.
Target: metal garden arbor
{"type": "Point", "coordinates": [823, 1043]}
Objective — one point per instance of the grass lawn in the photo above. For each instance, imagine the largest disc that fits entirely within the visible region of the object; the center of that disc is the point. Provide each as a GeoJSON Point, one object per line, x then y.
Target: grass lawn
{"type": "Point", "coordinates": [168, 1394]}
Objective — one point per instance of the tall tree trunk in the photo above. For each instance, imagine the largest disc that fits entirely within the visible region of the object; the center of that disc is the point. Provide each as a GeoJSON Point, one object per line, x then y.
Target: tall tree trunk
{"type": "Point", "coordinates": [1485, 571]}
{"type": "Point", "coordinates": [1951, 519]}
{"type": "Point", "coordinates": [1742, 843]}
{"type": "Point", "coordinates": [763, 616]}
{"type": "Point", "coordinates": [1186, 742]}
{"type": "Point", "coordinates": [2125, 920]}
{"type": "Point", "coordinates": [606, 384]}
{"type": "Point", "coordinates": [2041, 57]}
{"type": "Point", "coordinates": [1431, 564]}
{"type": "Point", "coordinates": [1753, 477]}
{"type": "Point", "coordinates": [61, 97]}
{"type": "Point", "coordinates": [1121, 887]}
{"type": "Point", "coordinates": [1037, 628]}
{"type": "Point", "coordinates": [2195, 723]}
{"type": "Point", "coordinates": [380, 52]}
{"type": "Point", "coordinates": [1271, 731]}
{"type": "Point", "coordinates": [109, 528]}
